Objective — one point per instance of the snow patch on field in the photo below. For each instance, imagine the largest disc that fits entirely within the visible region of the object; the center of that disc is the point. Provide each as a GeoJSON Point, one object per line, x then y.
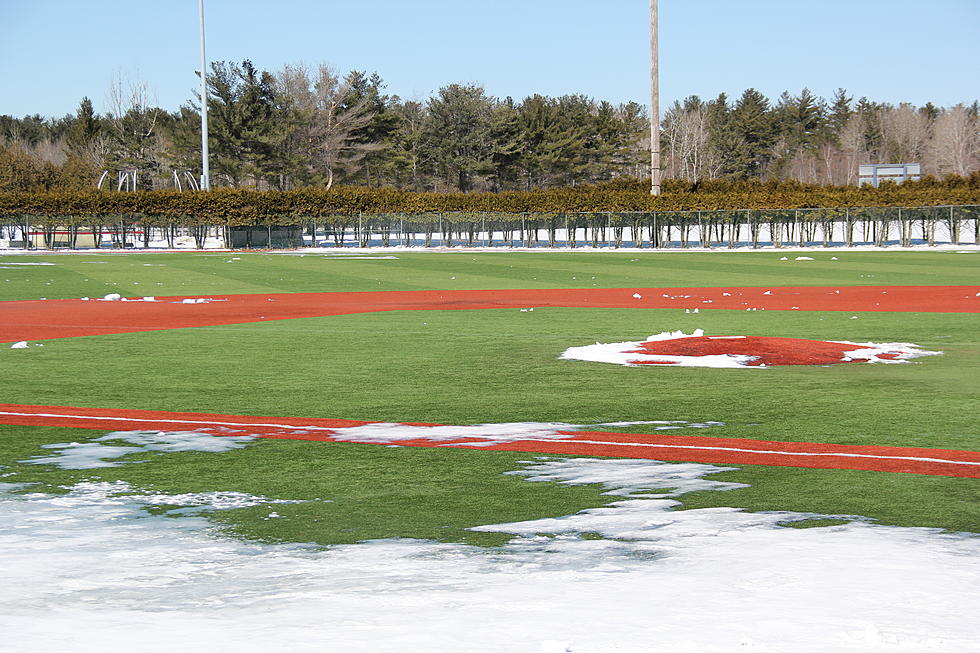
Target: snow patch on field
{"type": "Point", "coordinates": [94, 454]}
{"type": "Point", "coordinates": [93, 571]}
{"type": "Point", "coordinates": [872, 351]}
{"type": "Point", "coordinates": [629, 478]}
{"type": "Point", "coordinates": [488, 434]}
{"type": "Point", "coordinates": [624, 353]}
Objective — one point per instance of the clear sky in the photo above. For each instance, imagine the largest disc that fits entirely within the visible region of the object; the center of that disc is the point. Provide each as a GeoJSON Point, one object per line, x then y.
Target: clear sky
{"type": "Point", "coordinates": [54, 52]}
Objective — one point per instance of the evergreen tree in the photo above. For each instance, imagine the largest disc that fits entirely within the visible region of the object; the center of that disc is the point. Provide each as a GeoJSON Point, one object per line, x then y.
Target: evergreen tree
{"type": "Point", "coordinates": [246, 123]}
{"type": "Point", "coordinates": [840, 113]}
{"type": "Point", "coordinates": [506, 144]}
{"type": "Point", "coordinates": [456, 135]}
{"type": "Point", "coordinates": [405, 157]}
{"type": "Point", "coordinates": [870, 114]}
{"type": "Point", "coordinates": [754, 133]}
{"type": "Point", "coordinates": [83, 130]}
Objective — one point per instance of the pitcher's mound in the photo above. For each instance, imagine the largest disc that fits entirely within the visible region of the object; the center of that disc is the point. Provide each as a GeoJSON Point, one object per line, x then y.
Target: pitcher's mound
{"type": "Point", "coordinates": [699, 350]}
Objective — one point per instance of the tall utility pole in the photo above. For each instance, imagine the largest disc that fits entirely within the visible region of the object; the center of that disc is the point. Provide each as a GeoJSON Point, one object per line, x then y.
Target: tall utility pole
{"type": "Point", "coordinates": [654, 102]}
{"type": "Point", "coordinates": [205, 167]}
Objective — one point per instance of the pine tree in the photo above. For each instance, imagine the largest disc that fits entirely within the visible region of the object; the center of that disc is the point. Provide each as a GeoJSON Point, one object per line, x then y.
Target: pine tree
{"type": "Point", "coordinates": [456, 134]}
{"type": "Point", "coordinates": [754, 128]}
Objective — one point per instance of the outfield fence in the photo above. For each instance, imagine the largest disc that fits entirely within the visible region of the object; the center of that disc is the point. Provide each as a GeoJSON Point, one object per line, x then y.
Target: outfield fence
{"type": "Point", "coordinates": [731, 229]}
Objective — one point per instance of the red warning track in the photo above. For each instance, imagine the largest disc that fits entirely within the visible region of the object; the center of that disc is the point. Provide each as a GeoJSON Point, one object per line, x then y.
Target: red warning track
{"type": "Point", "coordinates": [936, 462]}
{"type": "Point", "coordinates": [67, 318]}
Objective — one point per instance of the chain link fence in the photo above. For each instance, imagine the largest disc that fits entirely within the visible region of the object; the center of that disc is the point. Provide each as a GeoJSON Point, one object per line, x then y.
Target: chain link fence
{"type": "Point", "coordinates": [732, 229]}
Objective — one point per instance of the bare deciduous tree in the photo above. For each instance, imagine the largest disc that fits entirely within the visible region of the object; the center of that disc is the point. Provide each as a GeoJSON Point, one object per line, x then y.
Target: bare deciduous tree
{"type": "Point", "coordinates": [328, 118]}
{"type": "Point", "coordinates": [133, 120]}
{"type": "Point", "coordinates": [955, 145]}
{"type": "Point", "coordinates": [690, 154]}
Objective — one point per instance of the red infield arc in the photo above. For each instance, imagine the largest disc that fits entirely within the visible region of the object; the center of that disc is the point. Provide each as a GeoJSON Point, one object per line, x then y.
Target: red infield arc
{"type": "Point", "coordinates": [67, 318]}
{"type": "Point", "coordinates": [908, 460]}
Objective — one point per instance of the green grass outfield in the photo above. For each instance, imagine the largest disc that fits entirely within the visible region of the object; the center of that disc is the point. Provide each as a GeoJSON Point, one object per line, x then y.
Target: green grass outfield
{"type": "Point", "coordinates": [465, 367]}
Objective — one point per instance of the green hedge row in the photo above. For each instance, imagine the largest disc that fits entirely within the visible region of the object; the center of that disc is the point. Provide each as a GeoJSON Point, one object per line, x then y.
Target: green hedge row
{"type": "Point", "coordinates": [245, 207]}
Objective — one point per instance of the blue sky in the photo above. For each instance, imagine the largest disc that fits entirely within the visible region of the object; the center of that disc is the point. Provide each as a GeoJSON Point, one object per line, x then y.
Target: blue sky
{"type": "Point", "coordinates": [53, 52]}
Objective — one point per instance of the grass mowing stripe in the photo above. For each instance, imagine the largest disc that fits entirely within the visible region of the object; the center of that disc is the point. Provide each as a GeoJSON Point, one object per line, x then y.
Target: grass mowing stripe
{"type": "Point", "coordinates": [188, 273]}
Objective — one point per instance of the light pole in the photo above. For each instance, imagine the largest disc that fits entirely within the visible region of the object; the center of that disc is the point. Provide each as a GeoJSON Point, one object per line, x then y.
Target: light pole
{"type": "Point", "coordinates": [205, 168]}
{"type": "Point", "coordinates": [654, 102]}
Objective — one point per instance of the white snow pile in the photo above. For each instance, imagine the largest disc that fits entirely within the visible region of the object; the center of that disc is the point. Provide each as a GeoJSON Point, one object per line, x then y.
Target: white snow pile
{"type": "Point", "coordinates": [93, 571]}
{"type": "Point", "coordinates": [489, 434]}
{"type": "Point", "coordinates": [872, 351]}
{"type": "Point", "coordinates": [94, 454]}
{"type": "Point", "coordinates": [803, 258]}
{"type": "Point", "coordinates": [620, 353]}
{"type": "Point", "coordinates": [20, 344]}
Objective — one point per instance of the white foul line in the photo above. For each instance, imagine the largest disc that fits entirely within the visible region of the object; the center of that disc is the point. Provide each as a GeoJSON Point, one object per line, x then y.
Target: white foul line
{"type": "Point", "coordinates": [170, 421]}
{"type": "Point", "coordinates": [765, 451]}
{"type": "Point", "coordinates": [600, 442]}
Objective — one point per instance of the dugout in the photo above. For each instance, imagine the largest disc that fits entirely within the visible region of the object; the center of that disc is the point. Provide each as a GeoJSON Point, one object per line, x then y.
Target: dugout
{"type": "Point", "coordinates": [265, 236]}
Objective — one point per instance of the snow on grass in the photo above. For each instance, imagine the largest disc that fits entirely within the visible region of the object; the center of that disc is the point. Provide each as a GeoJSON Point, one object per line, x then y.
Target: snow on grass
{"type": "Point", "coordinates": [487, 434]}
{"type": "Point", "coordinates": [93, 571]}
{"type": "Point", "coordinates": [94, 454]}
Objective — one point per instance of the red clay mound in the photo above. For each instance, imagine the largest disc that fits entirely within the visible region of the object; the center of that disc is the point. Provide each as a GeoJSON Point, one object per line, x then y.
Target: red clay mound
{"type": "Point", "coordinates": [767, 351]}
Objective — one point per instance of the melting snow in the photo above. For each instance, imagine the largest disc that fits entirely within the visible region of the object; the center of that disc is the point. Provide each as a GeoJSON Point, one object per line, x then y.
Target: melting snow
{"type": "Point", "coordinates": [94, 454]}
{"type": "Point", "coordinates": [92, 571]}
{"type": "Point", "coordinates": [487, 434]}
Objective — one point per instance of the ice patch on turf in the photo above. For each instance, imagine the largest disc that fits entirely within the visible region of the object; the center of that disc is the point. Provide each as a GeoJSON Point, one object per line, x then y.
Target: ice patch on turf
{"type": "Point", "coordinates": [630, 478]}
{"type": "Point", "coordinates": [488, 434]}
{"type": "Point", "coordinates": [92, 569]}
{"type": "Point", "coordinates": [94, 454]}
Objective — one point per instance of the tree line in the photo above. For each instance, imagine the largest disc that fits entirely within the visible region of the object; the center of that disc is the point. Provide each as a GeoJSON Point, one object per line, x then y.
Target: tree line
{"type": "Point", "coordinates": [310, 127]}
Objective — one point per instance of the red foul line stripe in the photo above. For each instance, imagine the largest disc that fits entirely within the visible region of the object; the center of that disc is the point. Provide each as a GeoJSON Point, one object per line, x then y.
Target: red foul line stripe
{"type": "Point", "coordinates": [623, 445]}
{"type": "Point", "coordinates": [66, 318]}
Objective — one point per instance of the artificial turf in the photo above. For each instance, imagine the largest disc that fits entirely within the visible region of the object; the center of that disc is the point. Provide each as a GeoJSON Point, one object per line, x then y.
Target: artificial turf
{"type": "Point", "coordinates": [464, 367]}
{"type": "Point", "coordinates": [94, 274]}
